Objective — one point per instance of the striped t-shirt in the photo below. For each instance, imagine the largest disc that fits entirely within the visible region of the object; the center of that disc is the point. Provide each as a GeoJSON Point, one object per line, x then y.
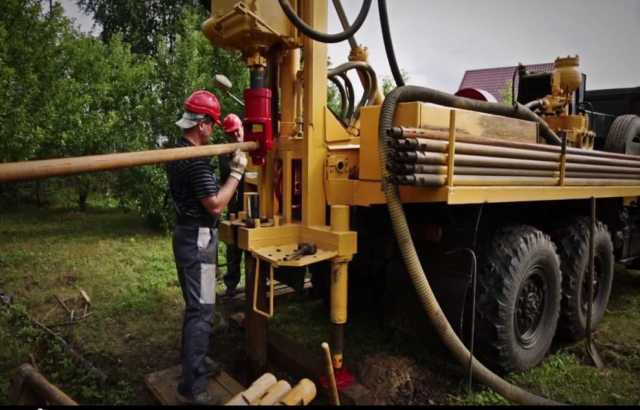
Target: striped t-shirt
{"type": "Point", "coordinates": [191, 180]}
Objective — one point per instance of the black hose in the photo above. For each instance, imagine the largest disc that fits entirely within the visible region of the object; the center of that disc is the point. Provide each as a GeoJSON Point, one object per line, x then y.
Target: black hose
{"type": "Point", "coordinates": [371, 86]}
{"type": "Point", "coordinates": [408, 250]}
{"type": "Point", "coordinates": [406, 93]}
{"type": "Point", "coordinates": [350, 94]}
{"type": "Point", "coordinates": [343, 95]}
{"type": "Point", "coordinates": [388, 43]}
{"type": "Point", "coordinates": [324, 37]}
{"type": "Point", "coordinates": [342, 16]}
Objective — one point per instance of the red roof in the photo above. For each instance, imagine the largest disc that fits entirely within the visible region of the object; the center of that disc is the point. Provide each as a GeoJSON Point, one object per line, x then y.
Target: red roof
{"type": "Point", "coordinates": [494, 80]}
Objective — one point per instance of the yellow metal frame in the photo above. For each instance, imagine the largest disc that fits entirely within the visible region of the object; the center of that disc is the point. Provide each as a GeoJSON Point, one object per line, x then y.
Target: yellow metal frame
{"type": "Point", "coordinates": [256, 277]}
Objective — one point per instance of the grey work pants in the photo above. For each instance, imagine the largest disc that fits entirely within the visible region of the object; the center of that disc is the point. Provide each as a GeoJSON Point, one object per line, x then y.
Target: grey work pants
{"type": "Point", "coordinates": [195, 250]}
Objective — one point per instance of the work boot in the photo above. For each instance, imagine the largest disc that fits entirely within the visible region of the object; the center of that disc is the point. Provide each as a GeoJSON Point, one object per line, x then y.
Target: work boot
{"type": "Point", "coordinates": [212, 368]}
{"type": "Point", "coordinates": [230, 292]}
{"type": "Point", "coordinates": [199, 399]}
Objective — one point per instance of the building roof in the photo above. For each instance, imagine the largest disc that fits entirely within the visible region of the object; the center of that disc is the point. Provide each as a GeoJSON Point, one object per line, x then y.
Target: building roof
{"type": "Point", "coordinates": [494, 80]}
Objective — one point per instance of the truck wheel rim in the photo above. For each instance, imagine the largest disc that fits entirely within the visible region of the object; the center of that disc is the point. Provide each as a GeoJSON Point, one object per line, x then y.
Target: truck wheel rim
{"type": "Point", "coordinates": [530, 307]}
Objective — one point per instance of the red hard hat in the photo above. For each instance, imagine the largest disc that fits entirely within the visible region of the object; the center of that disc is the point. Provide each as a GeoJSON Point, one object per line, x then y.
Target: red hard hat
{"type": "Point", "coordinates": [231, 123]}
{"type": "Point", "coordinates": [204, 102]}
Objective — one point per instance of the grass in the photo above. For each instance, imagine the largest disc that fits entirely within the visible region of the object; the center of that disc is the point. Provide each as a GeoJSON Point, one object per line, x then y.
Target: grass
{"type": "Point", "coordinates": [565, 375]}
{"type": "Point", "coordinates": [129, 273]}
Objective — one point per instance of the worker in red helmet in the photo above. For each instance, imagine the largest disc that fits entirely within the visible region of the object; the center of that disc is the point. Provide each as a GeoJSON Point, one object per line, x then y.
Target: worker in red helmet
{"type": "Point", "coordinates": [199, 201]}
{"type": "Point", "coordinates": [232, 126]}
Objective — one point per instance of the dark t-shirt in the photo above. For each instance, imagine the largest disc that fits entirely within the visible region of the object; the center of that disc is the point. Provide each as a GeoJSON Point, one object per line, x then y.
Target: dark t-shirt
{"type": "Point", "coordinates": [191, 180]}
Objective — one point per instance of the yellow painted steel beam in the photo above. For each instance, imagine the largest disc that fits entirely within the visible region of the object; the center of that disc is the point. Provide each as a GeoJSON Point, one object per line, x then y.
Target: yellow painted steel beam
{"type": "Point", "coordinates": [344, 243]}
{"type": "Point", "coordinates": [315, 99]}
{"type": "Point", "coordinates": [367, 193]}
{"type": "Point", "coordinates": [476, 195]}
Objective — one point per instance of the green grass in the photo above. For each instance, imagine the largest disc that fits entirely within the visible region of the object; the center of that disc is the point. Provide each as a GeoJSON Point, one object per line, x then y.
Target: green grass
{"type": "Point", "coordinates": [129, 273]}
{"type": "Point", "coordinates": [565, 375]}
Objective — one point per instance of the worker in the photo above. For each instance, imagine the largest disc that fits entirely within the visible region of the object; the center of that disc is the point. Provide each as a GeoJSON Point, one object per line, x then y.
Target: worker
{"type": "Point", "coordinates": [232, 126]}
{"type": "Point", "coordinates": [199, 202]}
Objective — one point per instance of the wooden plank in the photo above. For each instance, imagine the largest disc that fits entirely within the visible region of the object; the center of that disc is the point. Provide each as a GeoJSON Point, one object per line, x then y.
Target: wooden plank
{"type": "Point", "coordinates": [163, 385]}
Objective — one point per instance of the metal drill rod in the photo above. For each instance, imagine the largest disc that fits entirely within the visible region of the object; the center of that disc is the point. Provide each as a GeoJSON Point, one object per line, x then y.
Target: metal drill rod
{"type": "Point", "coordinates": [419, 157]}
{"type": "Point", "coordinates": [434, 180]}
{"type": "Point", "coordinates": [437, 145]}
{"type": "Point", "coordinates": [430, 158]}
{"type": "Point", "coordinates": [28, 170]}
{"type": "Point", "coordinates": [407, 169]}
{"type": "Point", "coordinates": [423, 144]}
{"type": "Point", "coordinates": [402, 132]}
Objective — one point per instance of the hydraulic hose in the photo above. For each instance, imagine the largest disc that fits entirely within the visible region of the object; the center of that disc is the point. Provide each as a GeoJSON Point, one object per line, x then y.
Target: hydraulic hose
{"type": "Point", "coordinates": [343, 95]}
{"type": "Point", "coordinates": [324, 37]}
{"type": "Point", "coordinates": [412, 262]}
{"type": "Point", "coordinates": [388, 43]}
{"type": "Point", "coordinates": [350, 94]}
{"type": "Point", "coordinates": [370, 88]}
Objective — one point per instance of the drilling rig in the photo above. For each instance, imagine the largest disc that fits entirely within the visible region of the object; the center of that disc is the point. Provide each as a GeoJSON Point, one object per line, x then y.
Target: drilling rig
{"type": "Point", "coordinates": [502, 213]}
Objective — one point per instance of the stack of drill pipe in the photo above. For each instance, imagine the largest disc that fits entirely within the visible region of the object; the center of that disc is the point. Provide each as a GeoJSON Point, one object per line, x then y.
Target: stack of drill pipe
{"type": "Point", "coordinates": [268, 391]}
{"type": "Point", "coordinates": [419, 157]}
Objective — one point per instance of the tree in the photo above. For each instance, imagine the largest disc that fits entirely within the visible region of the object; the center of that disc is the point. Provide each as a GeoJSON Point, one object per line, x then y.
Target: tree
{"type": "Point", "coordinates": [506, 94]}
{"type": "Point", "coordinates": [142, 23]}
{"type": "Point", "coordinates": [179, 70]}
{"type": "Point", "coordinates": [388, 83]}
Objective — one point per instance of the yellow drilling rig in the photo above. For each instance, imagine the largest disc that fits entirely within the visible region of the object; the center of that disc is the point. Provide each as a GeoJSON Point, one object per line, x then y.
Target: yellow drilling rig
{"type": "Point", "coordinates": [502, 213]}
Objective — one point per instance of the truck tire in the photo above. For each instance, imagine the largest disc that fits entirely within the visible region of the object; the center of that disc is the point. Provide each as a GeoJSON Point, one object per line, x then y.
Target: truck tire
{"type": "Point", "coordinates": [519, 298]}
{"type": "Point", "coordinates": [624, 135]}
{"type": "Point", "coordinates": [573, 248]}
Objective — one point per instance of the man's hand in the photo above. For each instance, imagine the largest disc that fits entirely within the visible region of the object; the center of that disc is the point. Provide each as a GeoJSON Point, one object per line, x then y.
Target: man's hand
{"type": "Point", "coordinates": [238, 164]}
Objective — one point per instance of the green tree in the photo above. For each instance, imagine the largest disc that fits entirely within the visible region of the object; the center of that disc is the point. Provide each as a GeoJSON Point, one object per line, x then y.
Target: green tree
{"type": "Point", "coordinates": [388, 83]}
{"type": "Point", "coordinates": [142, 23]}
{"type": "Point", "coordinates": [506, 93]}
{"type": "Point", "coordinates": [179, 70]}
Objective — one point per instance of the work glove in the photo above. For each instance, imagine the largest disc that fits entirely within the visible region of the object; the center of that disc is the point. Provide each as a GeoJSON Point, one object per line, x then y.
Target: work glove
{"type": "Point", "coordinates": [238, 164]}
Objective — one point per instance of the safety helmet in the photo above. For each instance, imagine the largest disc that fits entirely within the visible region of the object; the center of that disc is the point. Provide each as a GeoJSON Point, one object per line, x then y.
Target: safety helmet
{"type": "Point", "coordinates": [231, 123]}
{"type": "Point", "coordinates": [204, 102]}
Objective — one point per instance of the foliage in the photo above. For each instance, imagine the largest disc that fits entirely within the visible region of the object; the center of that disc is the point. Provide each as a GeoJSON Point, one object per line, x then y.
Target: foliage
{"type": "Point", "coordinates": [506, 94]}
{"type": "Point", "coordinates": [142, 23]}
{"type": "Point", "coordinates": [388, 83]}
{"type": "Point", "coordinates": [65, 94]}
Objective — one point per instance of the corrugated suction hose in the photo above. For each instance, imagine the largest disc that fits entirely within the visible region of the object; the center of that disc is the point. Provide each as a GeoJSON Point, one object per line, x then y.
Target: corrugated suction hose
{"type": "Point", "coordinates": [408, 250]}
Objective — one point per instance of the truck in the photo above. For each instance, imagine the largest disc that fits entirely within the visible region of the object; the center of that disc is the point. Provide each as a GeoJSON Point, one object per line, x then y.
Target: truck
{"type": "Point", "coordinates": [505, 219]}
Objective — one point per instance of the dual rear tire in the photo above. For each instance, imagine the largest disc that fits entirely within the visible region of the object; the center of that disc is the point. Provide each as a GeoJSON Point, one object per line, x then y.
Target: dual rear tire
{"type": "Point", "coordinates": [530, 284]}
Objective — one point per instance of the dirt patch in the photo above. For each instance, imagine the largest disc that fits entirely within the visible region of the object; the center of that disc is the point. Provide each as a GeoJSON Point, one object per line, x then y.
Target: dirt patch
{"type": "Point", "coordinates": [398, 380]}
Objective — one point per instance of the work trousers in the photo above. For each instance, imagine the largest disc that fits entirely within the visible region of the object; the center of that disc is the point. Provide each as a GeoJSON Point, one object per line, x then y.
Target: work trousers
{"type": "Point", "coordinates": [234, 258]}
{"type": "Point", "coordinates": [195, 250]}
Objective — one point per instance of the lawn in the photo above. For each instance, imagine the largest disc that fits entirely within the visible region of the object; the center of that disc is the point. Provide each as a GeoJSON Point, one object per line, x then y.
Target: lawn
{"type": "Point", "coordinates": [128, 271]}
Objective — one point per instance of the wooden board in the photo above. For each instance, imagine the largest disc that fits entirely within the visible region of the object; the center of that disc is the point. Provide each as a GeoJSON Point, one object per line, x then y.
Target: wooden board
{"type": "Point", "coordinates": [163, 384]}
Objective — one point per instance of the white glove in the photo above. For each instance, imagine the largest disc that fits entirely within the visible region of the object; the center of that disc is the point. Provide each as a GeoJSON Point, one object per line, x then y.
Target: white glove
{"type": "Point", "coordinates": [238, 164]}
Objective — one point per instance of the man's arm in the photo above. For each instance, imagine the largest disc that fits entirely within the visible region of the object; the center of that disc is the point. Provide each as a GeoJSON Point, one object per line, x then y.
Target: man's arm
{"type": "Point", "coordinates": [215, 204]}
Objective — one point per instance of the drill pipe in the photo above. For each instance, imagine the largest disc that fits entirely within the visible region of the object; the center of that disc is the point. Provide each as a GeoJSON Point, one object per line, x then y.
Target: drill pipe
{"type": "Point", "coordinates": [408, 169]}
{"type": "Point", "coordinates": [431, 180]}
{"type": "Point", "coordinates": [402, 132]}
{"type": "Point", "coordinates": [405, 169]}
{"type": "Point", "coordinates": [419, 157]}
{"type": "Point", "coordinates": [436, 145]}
{"type": "Point", "coordinates": [430, 158]}
{"type": "Point", "coordinates": [423, 144]}
{"type": "Point", "coordinates": [27, 170]}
